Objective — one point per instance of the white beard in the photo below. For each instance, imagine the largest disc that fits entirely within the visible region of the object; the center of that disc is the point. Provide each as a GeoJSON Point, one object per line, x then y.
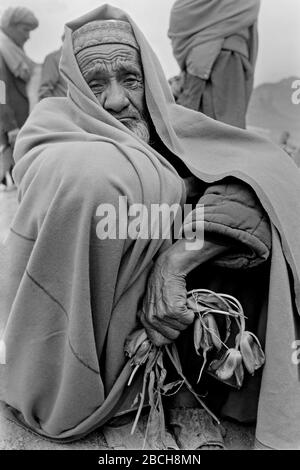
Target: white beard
{"type": "Point", "coordinates": [140, 129]}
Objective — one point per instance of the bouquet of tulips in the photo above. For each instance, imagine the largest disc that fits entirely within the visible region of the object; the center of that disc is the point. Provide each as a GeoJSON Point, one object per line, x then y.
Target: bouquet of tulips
{"type": "Point", "coordinates": [224, 355]}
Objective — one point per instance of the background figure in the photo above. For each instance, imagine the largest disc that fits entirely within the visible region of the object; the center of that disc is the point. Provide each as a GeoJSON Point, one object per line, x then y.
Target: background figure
{"type": "Point", "coordinates": [16, 70]}
{"type": "Point", "coordinates": [52, 82]}
{"type": "Point", "coordinates": [215, 45]}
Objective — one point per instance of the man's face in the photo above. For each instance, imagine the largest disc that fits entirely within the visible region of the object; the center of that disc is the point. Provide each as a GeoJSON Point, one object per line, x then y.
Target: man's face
{"type": "Point", "coordinates": [114, 74]}
{"type": "Point", "coordinates": [20, 33]}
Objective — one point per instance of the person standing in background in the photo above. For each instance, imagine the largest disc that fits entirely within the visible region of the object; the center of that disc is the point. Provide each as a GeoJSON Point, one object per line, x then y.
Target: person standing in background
{"type": "Point", "coordinates": [16, 70]}
{"type": "Point", "coordinates": [215, 44]}
{"type": "Point", "coordinates": [52, 83]}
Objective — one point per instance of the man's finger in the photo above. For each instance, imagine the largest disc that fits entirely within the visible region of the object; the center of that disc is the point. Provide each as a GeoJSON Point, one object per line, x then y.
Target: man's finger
{"type": "Point", "coordinates": [176, 322]}
{"type": "Point", "coordinates": [185, 316]}
{"type": "Point", "coordinates": [160, 327]}
{"type": "Point", "coordinates": [157, 338]}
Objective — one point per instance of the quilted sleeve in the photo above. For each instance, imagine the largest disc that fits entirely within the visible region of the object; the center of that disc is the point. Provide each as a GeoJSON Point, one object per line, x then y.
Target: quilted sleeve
{"type": "Point", "coordinates": [232, 211]}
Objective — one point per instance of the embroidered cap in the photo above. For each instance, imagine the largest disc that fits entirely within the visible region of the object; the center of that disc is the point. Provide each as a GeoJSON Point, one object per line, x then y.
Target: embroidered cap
{"type": "Point", "coordinates": [100, 32]}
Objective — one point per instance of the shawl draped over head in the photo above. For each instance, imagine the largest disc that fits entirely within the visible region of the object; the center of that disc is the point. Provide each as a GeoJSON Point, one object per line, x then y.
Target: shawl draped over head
{"type": "Point", "coordinates": [65, 370]}
{"type": "Point", "coordinates": [200, 27]}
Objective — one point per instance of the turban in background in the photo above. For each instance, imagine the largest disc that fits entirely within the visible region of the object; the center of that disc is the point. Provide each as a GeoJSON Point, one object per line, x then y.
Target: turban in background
{"type": "Point", "coordinates": [18, 15]}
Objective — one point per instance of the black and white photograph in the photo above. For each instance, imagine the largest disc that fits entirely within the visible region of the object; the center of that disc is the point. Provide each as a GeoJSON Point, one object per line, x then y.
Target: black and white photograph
{"type": "Point", "coordinates": [149, 228]}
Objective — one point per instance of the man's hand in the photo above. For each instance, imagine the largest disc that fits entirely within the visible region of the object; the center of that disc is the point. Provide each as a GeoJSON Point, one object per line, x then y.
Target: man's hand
{"type": "Point", "coordinates": [165, 313]}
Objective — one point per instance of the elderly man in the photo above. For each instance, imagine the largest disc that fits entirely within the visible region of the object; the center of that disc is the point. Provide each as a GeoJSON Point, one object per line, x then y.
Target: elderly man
{"type": "Point", "coordinates": [215, 45]}
{"type": "Point", "coordinates": [15, 71]}
{"type": "Point", "coordinates": [77, 291]}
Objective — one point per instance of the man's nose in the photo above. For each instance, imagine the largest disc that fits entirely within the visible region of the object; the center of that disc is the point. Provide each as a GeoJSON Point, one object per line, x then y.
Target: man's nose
{"type": "Point", "coordinates": [115, 99]}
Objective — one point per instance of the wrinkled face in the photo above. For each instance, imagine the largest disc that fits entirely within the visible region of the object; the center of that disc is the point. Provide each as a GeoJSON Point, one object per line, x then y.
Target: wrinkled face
{"type": "Point", "coordinates": [114, 74]}
{"type": "Point", "coordinates": [20, 33]}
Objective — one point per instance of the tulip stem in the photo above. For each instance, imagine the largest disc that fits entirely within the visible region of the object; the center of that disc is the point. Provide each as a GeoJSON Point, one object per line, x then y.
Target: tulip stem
{"type": "Point", "coordinates": [189, 386]}
{"type": "Point", "coordinates": [213, 333]}
{"type": "Point", "coordinates": [133, 374]}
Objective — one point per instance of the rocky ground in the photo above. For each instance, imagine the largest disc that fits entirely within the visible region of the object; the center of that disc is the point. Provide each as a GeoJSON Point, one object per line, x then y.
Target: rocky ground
{"type": "Point", "coordinates": [14, 437]}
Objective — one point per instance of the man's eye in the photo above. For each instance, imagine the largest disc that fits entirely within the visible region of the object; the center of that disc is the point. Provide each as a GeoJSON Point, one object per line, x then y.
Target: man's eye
{"type": "Point", "coordinates": [131, 81]}
{"type": "Point", "coordinates": [97, 86]}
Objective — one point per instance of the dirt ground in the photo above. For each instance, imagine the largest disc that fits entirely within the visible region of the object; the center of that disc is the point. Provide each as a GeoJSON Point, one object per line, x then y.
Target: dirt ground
{"type": "Point", "coordinates": [14, 437]}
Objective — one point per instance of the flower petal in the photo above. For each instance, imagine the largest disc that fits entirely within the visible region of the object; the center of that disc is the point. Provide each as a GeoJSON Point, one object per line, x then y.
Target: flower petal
{"type": "Point", "coordinates": [134, 340]}
{"type": "Point", "coordinates": [142, 352]}
{"type": "Point", "coordinates": [197, 334]}
{"type": "Point", "coordinates": [227, 369]}
{"type": "Point", "coordinates": [252, 353]}
{"type": "Point", "coordinates": [214, 365]}
{"type": "Point", "coordinates": [239, 375]}
{"type": "Point", "coordinates": [246, 345]}
{"type": "Point", "coordinates": [213, 331]}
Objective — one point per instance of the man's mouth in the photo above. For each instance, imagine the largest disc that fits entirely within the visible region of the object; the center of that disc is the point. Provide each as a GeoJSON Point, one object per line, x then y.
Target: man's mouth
{"type": "Point", "coordinates": [126, 118]}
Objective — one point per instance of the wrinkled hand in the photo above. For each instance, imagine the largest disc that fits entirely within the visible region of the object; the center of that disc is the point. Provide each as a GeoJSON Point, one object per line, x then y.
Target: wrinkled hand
{"type": "Point", "coordinates": [165, 314]}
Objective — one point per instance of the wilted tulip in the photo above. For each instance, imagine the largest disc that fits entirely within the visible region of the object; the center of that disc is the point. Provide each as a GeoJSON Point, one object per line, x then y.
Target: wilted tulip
{"type": "Point", "coordinates": [134, 340]}
{"type": "Point", "coordinates": [142, 352]}
{"type": "Point", "coordinates": [225, 367]}
{"type": "Point", "coordinates": [252, 353]}
{"type": "Point", "coordinates": [213, 330]}
{"type": "Point", "coordinates": [205, 345]}
{"type": "Point", "coordinates": [197, 334]}
{"type": "Point", "coordinates": [239, 375]}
